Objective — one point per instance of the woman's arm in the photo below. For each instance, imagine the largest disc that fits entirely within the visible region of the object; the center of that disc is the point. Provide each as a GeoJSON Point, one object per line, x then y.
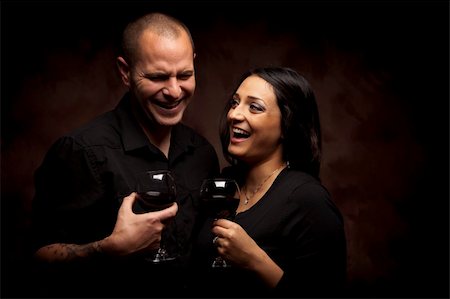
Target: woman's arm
{"type": "Point", "coordinates": [235, 245]}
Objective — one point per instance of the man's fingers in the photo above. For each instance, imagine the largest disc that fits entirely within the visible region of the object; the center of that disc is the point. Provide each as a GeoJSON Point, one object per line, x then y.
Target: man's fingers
{"type": "Point", "coordinates": [167, 213]}
{"type": "Point", "coordinates": [129, 200]}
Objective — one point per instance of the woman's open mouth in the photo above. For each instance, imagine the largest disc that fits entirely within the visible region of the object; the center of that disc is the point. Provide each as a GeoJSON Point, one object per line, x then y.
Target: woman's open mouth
{"type": "Point", "coordinates": [240, 133]}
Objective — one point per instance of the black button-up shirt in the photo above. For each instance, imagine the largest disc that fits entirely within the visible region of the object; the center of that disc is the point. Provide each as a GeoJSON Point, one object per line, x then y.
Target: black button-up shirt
{"type": "Point", "coordinates": [85, 175]}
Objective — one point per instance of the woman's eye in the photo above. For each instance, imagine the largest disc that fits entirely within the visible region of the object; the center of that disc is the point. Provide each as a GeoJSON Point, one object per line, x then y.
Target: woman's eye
{"type": "Point", "coordinates": [256, 107]}
{"type": "Point", "coordinates": [234, 103]}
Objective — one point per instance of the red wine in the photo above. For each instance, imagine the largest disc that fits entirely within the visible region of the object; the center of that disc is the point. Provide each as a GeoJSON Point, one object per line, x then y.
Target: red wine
{"type": "Point", "coordinates": [152, 201]}
{"type": "Point", "coordinates": [220, 206]}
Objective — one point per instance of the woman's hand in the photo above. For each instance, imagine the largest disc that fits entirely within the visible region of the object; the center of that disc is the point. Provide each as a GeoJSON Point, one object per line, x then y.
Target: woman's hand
{"type": "Point", "coordinates": [236, 246]}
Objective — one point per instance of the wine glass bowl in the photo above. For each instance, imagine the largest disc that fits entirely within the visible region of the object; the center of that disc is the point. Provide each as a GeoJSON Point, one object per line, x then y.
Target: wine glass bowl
{"type": "Point", "coordinates": [156, 190]}
{"type": "Point", "coordinates": [220, 199]}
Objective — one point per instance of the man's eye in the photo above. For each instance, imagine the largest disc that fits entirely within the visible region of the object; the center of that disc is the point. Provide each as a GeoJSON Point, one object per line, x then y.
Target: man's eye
{"type": "Point", "coordinates": [184, 76]}
{"type": "Point", "coordinates": [157, 78]}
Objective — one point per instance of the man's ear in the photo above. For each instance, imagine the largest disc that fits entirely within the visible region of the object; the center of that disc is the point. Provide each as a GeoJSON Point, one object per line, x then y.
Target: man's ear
{"type": "Point", "coordinates": [124, 70]}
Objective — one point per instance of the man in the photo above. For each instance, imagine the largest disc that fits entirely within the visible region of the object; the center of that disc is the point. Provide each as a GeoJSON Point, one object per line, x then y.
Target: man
{"type": "Point", "coordinates": [87, 237]}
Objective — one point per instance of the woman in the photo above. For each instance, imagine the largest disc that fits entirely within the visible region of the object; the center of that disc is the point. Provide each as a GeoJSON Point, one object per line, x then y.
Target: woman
{"type": "Point", "coordinates": [287, 238]}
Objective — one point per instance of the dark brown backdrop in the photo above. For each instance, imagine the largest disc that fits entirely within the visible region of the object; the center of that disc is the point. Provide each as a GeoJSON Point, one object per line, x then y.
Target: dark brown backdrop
{"type": "Point", "coordinates": [380, 72]}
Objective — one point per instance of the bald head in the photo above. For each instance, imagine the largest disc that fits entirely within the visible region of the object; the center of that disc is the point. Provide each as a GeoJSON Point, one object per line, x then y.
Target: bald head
{"type": "Point", "coordinates": [160, 24]}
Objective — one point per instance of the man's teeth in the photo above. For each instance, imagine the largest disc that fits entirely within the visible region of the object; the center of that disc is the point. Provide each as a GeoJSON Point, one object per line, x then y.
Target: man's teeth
{"type": "Point", "coordinates": [169, 105]}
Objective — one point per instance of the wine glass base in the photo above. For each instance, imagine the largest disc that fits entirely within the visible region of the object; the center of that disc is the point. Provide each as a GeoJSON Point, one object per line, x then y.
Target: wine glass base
{"type": "Point", "coordinates": [220, 263]}
{"type": "Point", "coordinates": [160, 260]}
{"type": "Point", "coordinates": [160, 257]}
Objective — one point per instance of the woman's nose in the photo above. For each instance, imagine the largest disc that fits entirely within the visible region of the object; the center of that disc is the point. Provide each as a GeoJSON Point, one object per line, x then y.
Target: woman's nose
{"type": "Point", "coordinates": [235, 113]}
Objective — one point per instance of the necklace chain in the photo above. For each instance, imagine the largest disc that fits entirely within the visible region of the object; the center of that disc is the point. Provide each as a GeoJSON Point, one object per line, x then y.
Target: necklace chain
{"type": "Point", "coordinates": [247, 199]}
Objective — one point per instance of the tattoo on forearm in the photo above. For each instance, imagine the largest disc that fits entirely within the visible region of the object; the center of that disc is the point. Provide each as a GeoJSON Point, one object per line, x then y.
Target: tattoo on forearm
{"type": "Point", "coordinates": [71, 252]}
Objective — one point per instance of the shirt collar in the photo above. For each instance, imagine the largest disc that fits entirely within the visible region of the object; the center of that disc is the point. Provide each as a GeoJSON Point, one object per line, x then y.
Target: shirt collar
{"type": "Point", "coordinates": [181, 141]}
{"type": "Point", "coordinates": [133, 137]}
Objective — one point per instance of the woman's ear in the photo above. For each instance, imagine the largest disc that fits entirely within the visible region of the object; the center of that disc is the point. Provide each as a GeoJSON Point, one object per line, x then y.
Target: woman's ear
{"type": "Point", "coordinates": [124, 70]}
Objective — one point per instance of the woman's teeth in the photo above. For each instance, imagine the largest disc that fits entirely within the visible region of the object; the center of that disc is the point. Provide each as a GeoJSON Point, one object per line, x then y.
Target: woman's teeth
{"type": "Point", "coordinates": [239, 133]}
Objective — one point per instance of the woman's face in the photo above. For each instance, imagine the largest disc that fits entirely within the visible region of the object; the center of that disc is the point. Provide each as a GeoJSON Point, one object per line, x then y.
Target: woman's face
{"type": "Point", "coordinates": [254, 121]}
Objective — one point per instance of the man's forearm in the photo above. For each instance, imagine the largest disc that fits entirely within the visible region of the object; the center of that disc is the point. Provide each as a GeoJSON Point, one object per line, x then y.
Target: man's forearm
{"type": "Point", "coordinates": [60, 252]}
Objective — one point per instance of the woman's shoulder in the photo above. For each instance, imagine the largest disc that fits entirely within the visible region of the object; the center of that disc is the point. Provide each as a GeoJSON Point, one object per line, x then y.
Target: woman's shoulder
{"type": "Point", "coordinates": [298, 178]}
{"type": "Point", "coordinates": [308, 192]}
{"type": "Point", "coordinates": [302, 185]}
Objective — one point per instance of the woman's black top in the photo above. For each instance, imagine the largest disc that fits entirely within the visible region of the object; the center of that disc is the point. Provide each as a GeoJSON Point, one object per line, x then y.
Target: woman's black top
{"type": "Point", "coordinates": [299, 227]}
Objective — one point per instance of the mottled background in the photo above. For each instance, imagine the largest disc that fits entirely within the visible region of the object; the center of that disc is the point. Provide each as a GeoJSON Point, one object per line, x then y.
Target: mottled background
{"type": "Point", "coordinates": [380, 72]}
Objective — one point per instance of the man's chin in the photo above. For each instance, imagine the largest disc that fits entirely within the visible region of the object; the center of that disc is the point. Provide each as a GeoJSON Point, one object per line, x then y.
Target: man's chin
{"type": "Point", "coordinates": [169, 121]}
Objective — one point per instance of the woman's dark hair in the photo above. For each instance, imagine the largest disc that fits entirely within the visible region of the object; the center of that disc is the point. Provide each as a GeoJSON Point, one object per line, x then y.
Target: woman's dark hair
{"type": "Point", "coordinates": [300, 125]}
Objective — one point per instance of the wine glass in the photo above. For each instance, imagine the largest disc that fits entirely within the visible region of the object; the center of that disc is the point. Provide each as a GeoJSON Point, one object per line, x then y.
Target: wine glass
{"type": "Point", "coordinates": [156, 191]}
{"type": "Point", "coordinates": [220, 199]}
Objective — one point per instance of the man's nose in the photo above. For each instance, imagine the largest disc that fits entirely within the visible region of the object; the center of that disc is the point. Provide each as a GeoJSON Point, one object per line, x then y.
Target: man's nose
{"type": "Point", "coordinates": [172, 88]}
